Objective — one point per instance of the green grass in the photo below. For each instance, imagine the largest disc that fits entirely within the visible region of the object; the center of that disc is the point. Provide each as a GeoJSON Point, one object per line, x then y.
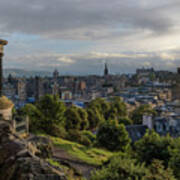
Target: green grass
{"type": "Point", "coordinates": [71, 174]}
{"type": "Point", "coordinates": [54, 163]}
{"type": "Point", "coordinates": [93, 156]}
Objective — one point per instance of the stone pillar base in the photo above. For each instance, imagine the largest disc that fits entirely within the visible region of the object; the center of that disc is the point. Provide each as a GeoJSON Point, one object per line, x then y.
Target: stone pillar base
{"type": "Point", "coordinates": [6, 107]}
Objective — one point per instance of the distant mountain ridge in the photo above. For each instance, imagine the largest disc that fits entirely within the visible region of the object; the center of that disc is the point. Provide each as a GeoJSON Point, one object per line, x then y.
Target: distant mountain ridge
{"type": "Point", "coordinates": [26, 73]}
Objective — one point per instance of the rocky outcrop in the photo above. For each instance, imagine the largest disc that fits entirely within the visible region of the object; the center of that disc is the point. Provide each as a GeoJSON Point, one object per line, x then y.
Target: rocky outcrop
{"type": "Point", "coordinates": [43, 144]}
{"type": "Point", "coordinates": [19, 162]}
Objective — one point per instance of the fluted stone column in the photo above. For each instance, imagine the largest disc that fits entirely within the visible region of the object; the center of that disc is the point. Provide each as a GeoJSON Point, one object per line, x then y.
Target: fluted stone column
{"type": "Point", "coordinates": [1, 74]}
{"type": "Point", "coordinates": [2, 44]}
{"type": "Point", "coordinates": [5, 104]}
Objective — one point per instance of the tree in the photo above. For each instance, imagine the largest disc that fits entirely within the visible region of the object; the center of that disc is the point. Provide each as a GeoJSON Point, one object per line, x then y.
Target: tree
{"type": "Point", "coordinates": [117, 109]}
{"type": "Point", "coordinates": [152, 146]}
{"type": "Point", "coordinates": [113, 136]}
{"type": "Point", "coordinates": [137, 114]}
{"type": "Point", "coordinates": [174, 161]}
{"type": "Point", "coordinates": [52, 110]}
{"type": "Point", "coordinates": [156, 171]}
{"type": "Point", "coordinates": [120, 169]}
{"type": "Point", "coordinates": [35, 117]}
{"type": "Point", "coordinates": [47, 114]}
{"type": "Point", "coordinates": [76, 118]}
{"type": "Point", "coordinates": [125, 120]}
{"type": "Point", "coordinates": [84, 119]}
{"type": "Point", "coordinates": [101, 105]}
{"type": "Point", "coordinates": [94, 118]}
{"type": "Point", "coordinates": [73, 119]}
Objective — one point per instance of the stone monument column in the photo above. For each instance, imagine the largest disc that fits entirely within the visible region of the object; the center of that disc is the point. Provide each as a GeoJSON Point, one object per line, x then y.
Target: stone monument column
{"type": "Point", "coordinates": [5, 104]}
{"type": "Point", "coordinates": [2, 44]}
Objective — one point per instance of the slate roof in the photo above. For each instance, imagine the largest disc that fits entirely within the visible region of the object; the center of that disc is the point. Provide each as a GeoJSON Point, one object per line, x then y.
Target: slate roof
{"type": "Point", "coordinates": [136, 132]}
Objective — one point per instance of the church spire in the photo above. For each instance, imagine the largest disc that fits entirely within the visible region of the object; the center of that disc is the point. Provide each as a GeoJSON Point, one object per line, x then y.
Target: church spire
{"type": "Point", "coordinates": [106, 73]}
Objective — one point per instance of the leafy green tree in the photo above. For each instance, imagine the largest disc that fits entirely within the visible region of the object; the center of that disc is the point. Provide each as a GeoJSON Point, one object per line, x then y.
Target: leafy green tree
{"type": "Point", "coordinates": [94, 118]}
{"type": "Point", "coordinates": [84, 118]}
{"type": "Point", "coordinates": [174, 161]}
{"type": "Point", "coordinates": [76, 118]}
{"type": "Point", "coordinates": [125, 120]}
{"type": "Point", "coordinates": [119, 105]}
{"type": "Point", "coordinates": [137, 114]}
{"type": "Point", "coordinates": [35, 116]}
{"type": "Point", "coordinates": [158, 172]}
{"type": "Point", "coordinates": [73, 118]}
{"type": "Point", "coordinates": [120, 169]}
{"type": "Point", "coordinates": [152, 146]}
{"type": "Point", "coordinates": [47, 114]}
{"type": "Point", "coordinates": [52, 113]}
{"type": "Point", "coordinates": [117, 109]}
{"type": "Point", "coordinates": [52, 109]}
{"type": "Point", "coordinates": [113, 136]}
{"type": "Point", "coordinates": [101, 105]}
{"type": "Point", "coordinates": [112, 114]}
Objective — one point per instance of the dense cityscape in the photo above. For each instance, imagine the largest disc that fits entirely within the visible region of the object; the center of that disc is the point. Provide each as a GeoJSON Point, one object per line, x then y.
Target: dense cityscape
{"type": "Point", "coordinates": [159, 89]}
{"type": "Point", "coordinates": [89, 90]}
{"type": "Point", "coordinates": [146, 100]}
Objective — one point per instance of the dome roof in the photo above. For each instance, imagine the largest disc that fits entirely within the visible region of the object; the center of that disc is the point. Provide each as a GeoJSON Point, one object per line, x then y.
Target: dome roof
{"type": "Point", "coordinates": [3, 42]}
{"type": "Point", "coordinates": [5, 103]}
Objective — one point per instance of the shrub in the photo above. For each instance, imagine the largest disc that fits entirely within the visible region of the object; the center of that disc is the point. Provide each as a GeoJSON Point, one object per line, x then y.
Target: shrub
{"type": "Point", "coordinates": [77, 136]}
{"type": "Point", "coordinates": [58, 131]}
{"type": "Point", "coordinates": [73, 135]}
{"type": "Point", "coordinates": [84, 140]}
{"type": "Point", "coordinates": [113, 136]}
{"type": "Point", "coordinates": [120, 169]}
{"type": "Point", "coordinates": [89, 135]}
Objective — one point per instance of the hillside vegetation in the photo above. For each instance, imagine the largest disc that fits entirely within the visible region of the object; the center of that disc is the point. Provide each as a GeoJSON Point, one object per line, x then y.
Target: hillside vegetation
{"type": "Point", "coordinates": [93, 156]}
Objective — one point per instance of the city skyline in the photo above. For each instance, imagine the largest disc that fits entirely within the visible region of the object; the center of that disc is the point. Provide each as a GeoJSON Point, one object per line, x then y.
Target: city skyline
{"type": "Point", "coordinates": [78, 37]}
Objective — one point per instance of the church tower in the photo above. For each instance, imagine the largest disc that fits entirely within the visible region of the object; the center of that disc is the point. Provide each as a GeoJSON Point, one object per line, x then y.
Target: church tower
{"type": "Point", "coordinates": [55, 75]}
{"type": "Point", "coordinates": [106, 72]}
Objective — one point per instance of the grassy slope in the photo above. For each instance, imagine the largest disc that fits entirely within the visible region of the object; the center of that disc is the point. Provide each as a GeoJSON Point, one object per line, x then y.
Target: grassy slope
{"type": "Point", "coordinates": [93, 156]}
{"type": "Point", "coordinates": [71, 174]}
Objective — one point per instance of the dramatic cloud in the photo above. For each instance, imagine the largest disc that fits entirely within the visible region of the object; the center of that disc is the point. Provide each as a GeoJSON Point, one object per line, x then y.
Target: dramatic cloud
{"type": "Point", "coordinates": [85, 19]}
{"type": "Point", "coordinates": [62, 33]}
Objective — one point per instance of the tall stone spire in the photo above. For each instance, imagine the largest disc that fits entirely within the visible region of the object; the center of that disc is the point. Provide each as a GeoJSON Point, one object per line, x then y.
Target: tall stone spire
{"type": "Point", "coordinates": [106, 73]}
{"type": "Point", "coordinates": [2, 44]}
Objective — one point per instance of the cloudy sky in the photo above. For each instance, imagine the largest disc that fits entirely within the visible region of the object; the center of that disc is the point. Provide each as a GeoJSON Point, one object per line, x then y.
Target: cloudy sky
{"type": "Point", "coordinates": [78, 36]}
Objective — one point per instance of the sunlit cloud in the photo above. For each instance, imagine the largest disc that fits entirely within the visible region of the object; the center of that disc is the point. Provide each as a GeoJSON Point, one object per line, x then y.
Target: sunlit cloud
{"type": "Point", "coordinates": [78, 36]}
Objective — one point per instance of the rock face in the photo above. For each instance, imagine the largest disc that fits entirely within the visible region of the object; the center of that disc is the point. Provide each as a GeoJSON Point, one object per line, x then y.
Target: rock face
{"type": "Point", "coordinates": [43, 144]}
{"type": "Point", "coordinates": [19, 162]}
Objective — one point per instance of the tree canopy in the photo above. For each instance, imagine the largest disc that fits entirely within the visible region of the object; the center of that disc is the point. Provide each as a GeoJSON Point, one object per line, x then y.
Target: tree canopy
{"type": "Point", "coordinates": [113, 136]}
{"type": "Point", "coordinates": [137, 114]}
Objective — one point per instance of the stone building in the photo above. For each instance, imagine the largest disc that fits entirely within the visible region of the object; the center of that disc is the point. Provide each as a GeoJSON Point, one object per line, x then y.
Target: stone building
{"type": "Point", "coordinates": [21, 89]}
{"type": "Point", "coordinates": [55, 89]}
{"type": "Point", "coordinates": [39, 90]}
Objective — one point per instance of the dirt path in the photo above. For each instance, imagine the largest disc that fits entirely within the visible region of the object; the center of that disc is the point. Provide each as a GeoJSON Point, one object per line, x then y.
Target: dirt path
{"type": "Point", "coordinates": [62, 156]}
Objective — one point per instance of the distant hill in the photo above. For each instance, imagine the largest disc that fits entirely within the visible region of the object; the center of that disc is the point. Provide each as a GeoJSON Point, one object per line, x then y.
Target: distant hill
{"type": "Point", "coordinates": [21, 72]}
